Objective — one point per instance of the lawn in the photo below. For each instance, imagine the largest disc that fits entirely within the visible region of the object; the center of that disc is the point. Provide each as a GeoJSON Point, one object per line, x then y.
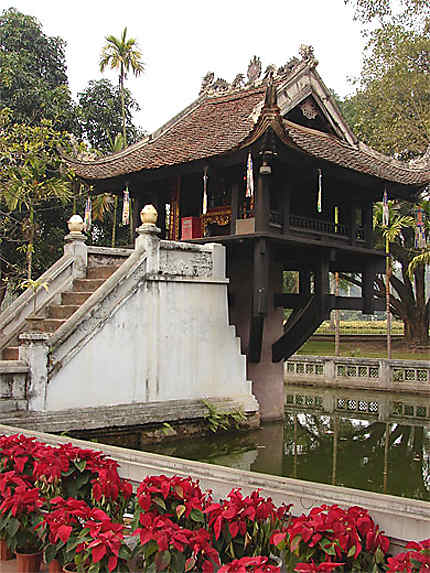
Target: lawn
{"type": "Point", "coordinates": [364, 349]}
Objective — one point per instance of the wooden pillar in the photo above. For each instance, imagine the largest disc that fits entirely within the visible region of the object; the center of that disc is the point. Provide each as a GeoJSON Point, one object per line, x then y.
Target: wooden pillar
{"type": "Point", "coordinates": [234, 207]}
{"type": "Point", "coordinates": [259, 298]}
{"type": "Point", "coordinates": [367, 209]}
{"type": "Point", "coordinates": [322, 282]}
{"type": "Point", "coordinates": [262, 199]}
{"type": "Point", "coordinates": [286, 202]}
{"type": "Point", "coordinates": [304, 282]}
{"type": "Point", "coordinates": [368, 277]}
{"type": "Point", "coordinates": [353, 223]}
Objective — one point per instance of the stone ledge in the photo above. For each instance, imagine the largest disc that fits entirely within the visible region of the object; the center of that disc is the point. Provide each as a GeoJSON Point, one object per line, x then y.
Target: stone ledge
{"type": "Point", "coordinates": [13, 367]}
{"type": "Point", "coordinates": [117, 416]}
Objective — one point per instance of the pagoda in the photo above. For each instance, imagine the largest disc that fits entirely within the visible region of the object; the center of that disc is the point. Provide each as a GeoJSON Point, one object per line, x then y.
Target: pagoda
{"type": "Point", "coordinates": [268, 167]}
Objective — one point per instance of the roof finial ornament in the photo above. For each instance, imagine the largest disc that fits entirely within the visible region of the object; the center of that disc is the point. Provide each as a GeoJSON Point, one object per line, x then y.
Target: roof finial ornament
{"type": "Point", "coordinates": [238, 82]}
{"type": "Point", "coordinates": [307, 54]}
{"type": "Point", "coordinates": [207, 82]}
{"type": "Point", "coordinates": [254, 70]}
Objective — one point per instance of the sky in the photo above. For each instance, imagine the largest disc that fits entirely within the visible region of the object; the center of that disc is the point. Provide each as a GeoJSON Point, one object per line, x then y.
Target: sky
{"type": "Point", "coordinates": [182, 41]}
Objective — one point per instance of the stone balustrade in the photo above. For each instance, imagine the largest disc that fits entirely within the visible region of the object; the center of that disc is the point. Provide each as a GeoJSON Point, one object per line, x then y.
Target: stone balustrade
{"type": "Point", "coordinates": [369, 373]}
{"type": "Point", "coordinates": [13, 385]}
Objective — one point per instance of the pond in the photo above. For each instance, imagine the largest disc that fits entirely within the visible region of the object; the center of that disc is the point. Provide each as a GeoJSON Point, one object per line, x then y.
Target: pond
{"type": "Point", "coordinates": [366, 440]}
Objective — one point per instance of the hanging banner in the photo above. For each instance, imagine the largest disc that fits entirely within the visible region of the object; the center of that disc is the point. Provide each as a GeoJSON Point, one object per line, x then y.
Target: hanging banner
{"type": "Point", "coordinates": [249, 177]}
{"type": "Point", "coordinates": [205, 191]}
{"type": "Point", "coordinates": [319, 200]}
{"type": "Point", "coordinates": [420, 234]}
{"type": "Point", "coordinates": [385, 209]}
{"type": "Point", "coordinates": [126, 207]}
{"type": "Point", "coordinates": [88, 215]}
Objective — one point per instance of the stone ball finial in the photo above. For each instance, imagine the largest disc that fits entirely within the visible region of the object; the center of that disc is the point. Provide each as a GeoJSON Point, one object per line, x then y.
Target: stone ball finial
{"type": "Point", "coordinates": [149, 214]}
{"type": "Point", "coordinates": [75, 224]}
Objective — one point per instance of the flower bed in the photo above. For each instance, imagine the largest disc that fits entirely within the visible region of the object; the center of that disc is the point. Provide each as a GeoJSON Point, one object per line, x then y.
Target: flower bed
{"type": "Point", "coordinates": [69, 503]}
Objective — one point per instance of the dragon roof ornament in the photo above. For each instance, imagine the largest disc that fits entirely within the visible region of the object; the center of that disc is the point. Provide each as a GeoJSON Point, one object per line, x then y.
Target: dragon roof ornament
{"type": "Point", "coordinates": [254, 76]}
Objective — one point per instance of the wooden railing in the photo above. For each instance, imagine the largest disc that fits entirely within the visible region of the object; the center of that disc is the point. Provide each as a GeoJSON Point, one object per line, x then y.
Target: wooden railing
{"type": "Point", "coordinates": [318, 226]}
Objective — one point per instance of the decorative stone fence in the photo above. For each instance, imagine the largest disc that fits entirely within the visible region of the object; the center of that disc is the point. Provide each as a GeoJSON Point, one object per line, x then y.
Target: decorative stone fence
{"type": "Point", "coordinates": [367, 373]}
{"type": "Point", "coordinates": [13, 385]}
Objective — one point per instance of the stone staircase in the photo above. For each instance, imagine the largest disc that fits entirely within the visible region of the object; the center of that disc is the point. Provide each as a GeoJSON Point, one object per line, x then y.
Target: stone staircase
{"type": "Point", "coordinates": [55, 315]}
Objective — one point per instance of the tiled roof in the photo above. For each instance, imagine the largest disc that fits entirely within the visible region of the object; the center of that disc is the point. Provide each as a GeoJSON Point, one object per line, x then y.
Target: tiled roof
{"type": "Point", "coordinates": [362, 158]}
{"type": "Point", "coordinates": [214, 125]}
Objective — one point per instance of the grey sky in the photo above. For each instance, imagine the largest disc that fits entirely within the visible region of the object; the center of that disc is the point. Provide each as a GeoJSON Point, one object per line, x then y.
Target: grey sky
{"type": "Point", "coordinates": [181, 41]}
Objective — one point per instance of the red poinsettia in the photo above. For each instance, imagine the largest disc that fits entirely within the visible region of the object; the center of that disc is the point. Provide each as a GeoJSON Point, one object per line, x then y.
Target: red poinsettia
{"type": "Point", "coordinates": [242, 525]}
{"type": "Point", "coordinates": [331, 534]}
{"type": "Point", "coordinates": [417, 560]}
{"type": "Point", "coordinates": [170, 547]}
{"type": "Point", "coordinates": [258, 564]}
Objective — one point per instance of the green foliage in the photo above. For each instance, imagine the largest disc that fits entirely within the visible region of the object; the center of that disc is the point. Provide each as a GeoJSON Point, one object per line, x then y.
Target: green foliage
{"type": "Point", "coordinates": [32, 189]}
{"type": "Point", "coordinates": [100, 115]}
{"type": "Point", "coordinates": [33, 80]}
{"type": "Point", "coordinates": [390, 109]}
{"type": "Point", "coordinates": [223, 421]}
{"type": "Point", "coordinates": [411, 13]}
{"type": "Point", "coordinates": [122, 54]}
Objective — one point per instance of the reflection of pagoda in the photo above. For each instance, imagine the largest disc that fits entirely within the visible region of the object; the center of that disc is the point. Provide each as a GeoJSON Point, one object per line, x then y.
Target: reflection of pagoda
{"type": "Point", "coordinates": [311, 210]}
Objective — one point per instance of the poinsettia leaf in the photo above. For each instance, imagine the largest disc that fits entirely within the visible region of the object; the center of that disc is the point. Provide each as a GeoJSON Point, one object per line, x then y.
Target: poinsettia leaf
{"type": "Point", "coordinates": [180, 510]}
{"type": "Point", "coordinates": [160, 502]}
{"type": "Point", "coordinates": [162, 560]}
{"type": "Point", "coordinates": [12, 527]}
{"type": "Point", "coordinates": [351, 552]}
{"type": "Point", "coordinates": [94, 568]}
{"type": "Point", "coordinates": [99, 551]}
{"type": "Point", "coordinates": [64, 532]}
{"type": "Point", "coordinates": [124, 552]}
{"type": "Point", "coordinates": [81, 465]}
{"type": "Point", "coordinates": [189, 564]}
{"type": "Point", "coordinates": [50, 553]}
{"type": "Point", "coordinates": [197, 516]}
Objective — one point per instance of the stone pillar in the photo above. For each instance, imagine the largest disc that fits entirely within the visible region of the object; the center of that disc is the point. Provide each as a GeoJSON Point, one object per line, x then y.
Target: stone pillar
{"type": "Point", "coordinates": [74, 246]}
{"type": "Point", "coordinates": [148, 240]}
{"type": "Point", "coordinates": [34, 351]}
{"type": "Point", "coordinates": [267, 376]}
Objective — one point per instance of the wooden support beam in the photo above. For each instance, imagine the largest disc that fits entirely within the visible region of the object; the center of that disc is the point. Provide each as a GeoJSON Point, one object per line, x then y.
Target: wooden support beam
{"type": "Point", "coordinates": [234, 207]}
{"type": "Point", "coordinates": [330, 302]}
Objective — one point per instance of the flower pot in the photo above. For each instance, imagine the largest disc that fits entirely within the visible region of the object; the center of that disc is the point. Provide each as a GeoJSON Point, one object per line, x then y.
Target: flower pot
{"type": "Point", "coordinates": [69, 568]}
{"type": "Point", "coordinates": [5, 552]}
{"type": "Point", "coordinates": [54, 566]}
{"type": "Point", "coordinates": [28, 562]}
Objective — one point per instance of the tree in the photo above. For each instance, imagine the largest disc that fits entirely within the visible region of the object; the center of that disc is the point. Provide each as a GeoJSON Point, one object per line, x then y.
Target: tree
{"type": "Point", "coordinates": [390, 110]}
{"type": "Point", "coordinates": [100, 114]}
{"type": "Point", "coordinates": [32, 187]}
{"type": "Point", "coordinates": [33, 80]}
{"type": "Point", "coordinates": [123, 55]}
{"type": "Point", "coordinates": [411, 13]}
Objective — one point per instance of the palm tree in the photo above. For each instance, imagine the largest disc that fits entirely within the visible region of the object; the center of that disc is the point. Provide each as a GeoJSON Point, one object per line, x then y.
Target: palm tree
{"type": "Point", "coordinates": [123, 55]}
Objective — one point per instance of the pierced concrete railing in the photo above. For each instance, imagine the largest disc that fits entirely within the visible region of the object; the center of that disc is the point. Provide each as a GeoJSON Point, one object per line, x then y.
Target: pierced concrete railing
{"type": "Point", "coordinates": [13, 385]}
{"type": "Point", "coordinates": [393, 375]}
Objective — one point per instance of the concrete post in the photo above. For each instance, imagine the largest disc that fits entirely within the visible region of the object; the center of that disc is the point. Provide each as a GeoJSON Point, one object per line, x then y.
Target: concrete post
{"type": "Point", "coordinates": [148, 239]}
{"type": "Point", "coordinates": [34, 351]}
{"type": "Point", "coordinates": [74, 246]}
{"type": "Point", "coordinates": [329, 369]}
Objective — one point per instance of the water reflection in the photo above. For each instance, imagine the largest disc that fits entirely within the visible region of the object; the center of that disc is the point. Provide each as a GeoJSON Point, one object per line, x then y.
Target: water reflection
{"type": "Point", "coordinates": [365, 440]}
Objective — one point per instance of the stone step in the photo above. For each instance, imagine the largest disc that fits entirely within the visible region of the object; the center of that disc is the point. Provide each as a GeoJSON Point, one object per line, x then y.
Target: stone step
{"type": "Point", "coordinates": [51, 324]}
{"type": "Point", "coordinates": [10, 353]}
{"type": "Point", "coordinates": [87, 285]}
{"type": "Point", "coordinates": [102, 272]}
{"type": "Point", "coordinates": [12, 406]}
{"type": "Point", "coordinates": [62, 310]}
{"type": "Point", "coordinates": [74, 298]}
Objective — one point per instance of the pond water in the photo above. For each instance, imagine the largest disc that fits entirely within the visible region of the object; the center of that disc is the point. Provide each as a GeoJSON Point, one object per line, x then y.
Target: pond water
{"type": "Point", "coordinates": [366, 440]}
